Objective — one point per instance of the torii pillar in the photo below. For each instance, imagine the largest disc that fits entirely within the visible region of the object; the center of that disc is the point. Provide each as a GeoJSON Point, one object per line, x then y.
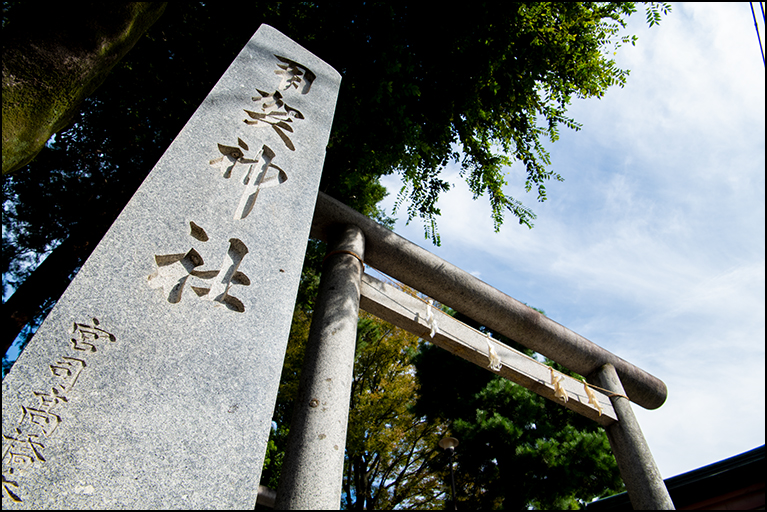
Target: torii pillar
{"type": "Point", "coordinates": [312, 472]}
{"type": "Point", "coordinates": [644, 484]}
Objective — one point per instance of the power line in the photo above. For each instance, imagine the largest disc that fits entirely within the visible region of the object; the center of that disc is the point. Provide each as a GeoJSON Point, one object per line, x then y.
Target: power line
{"type": "Point", "coordinates": [757, 26]}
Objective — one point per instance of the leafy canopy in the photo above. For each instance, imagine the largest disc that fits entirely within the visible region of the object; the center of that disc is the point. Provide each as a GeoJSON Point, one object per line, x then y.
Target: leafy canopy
{"type": "Point", "coordinates": [390, 451]}
{"type": "Point", "coordinates": [517, 450]}
{"type": "Point", "coordinates": [484, 96]}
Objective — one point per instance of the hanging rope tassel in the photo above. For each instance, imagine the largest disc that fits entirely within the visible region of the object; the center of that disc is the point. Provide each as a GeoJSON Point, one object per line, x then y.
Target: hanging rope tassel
{"type": "Point", "coordinates": [559, 390]}
{"type": "Point", "coordinates": [592, 397]}
{"type": "Point", "coordinates": [431, 320]}
{"type": "Point", "coordinates": [495, 360]}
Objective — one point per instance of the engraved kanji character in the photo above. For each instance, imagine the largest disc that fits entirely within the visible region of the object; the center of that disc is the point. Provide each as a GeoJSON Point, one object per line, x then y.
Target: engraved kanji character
{"type": "Point", "coordinates": [261, 174]}
{"type": "Point", "coordinates": [50, 400]}
{"type": "Point", "coordinates": [87, 332]}
{"type": "Point", "coordinates": [68, 370]}
{"type": "Point", "coordinates": [20, 450]}
{"type": "Point", "coordinates": [7, 484]}
{"type": "Point", "coordinates": [272, 110]}
{"type": "Point", "coordinates": [173, 271]}
{"type": "Point", "coordinates": [44, 419]}
{"type": "Point", "coordinates": [294, 75]}
{"type": "Point", "coordinates": [225, 277]}
{"type": "Point", "coordinates": [231, 157]}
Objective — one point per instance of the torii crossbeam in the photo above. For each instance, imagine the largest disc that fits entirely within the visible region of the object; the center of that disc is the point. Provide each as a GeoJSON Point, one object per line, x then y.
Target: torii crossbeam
{"type": "Point", "coordinates": [312, 469]}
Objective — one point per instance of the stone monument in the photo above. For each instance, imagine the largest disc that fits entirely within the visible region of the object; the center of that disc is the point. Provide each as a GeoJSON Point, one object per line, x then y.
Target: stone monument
{"type": "Point", "coordinates": [152, 382]}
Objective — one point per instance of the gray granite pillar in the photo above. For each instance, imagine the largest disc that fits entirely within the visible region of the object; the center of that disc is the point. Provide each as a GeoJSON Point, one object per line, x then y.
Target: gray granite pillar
{"type": "Point", "coordinates": [151, 384]}
{"type": "Point", "coordinates": [313, 468]}
{"type": "Point", "coordinates": [643, 480]}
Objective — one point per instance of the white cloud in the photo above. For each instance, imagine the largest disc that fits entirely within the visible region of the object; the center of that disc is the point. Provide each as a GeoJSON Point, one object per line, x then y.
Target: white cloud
{"type": "Point", "coordinates": [653, 247]}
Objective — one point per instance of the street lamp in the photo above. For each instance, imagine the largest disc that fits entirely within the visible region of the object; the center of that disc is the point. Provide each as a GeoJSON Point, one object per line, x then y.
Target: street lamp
{"type": "Point", "coordinates": [449, 444]}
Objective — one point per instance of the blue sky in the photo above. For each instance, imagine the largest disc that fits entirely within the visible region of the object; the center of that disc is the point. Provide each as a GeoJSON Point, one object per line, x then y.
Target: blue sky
{"type": "Point", "coordinates": [653, 246]}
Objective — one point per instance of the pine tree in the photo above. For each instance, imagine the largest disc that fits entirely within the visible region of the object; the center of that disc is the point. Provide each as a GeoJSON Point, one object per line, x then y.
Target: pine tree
{"type": "Point", "coordinates": [517, 450]}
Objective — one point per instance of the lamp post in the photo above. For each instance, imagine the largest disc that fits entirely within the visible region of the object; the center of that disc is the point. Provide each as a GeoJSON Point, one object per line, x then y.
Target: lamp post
{"type": "Point", "coordinates": [449, 444]}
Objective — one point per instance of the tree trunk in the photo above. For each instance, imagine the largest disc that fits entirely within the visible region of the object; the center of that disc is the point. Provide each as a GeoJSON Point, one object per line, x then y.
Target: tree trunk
{"type": "Point", "coordinates": [54, 56]}
{"type": "Point", "coordinates": [360, 480]}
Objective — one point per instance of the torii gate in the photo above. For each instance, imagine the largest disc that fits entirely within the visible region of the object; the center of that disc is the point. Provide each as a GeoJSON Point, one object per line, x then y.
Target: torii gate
{"type": "Point", "coordinates": [313, 466]}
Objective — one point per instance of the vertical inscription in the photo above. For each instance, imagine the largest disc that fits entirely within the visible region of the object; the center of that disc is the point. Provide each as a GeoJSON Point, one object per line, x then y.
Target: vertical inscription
{"type": "Point", "coordinates": [254, 172]}
{"type": "Point", "coordinates": [24, 446]}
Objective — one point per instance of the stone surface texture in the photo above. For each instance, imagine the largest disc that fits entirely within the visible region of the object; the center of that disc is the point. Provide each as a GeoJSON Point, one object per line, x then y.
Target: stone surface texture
{"type": "Point", "coordinates": [152, 382]}
{"type": "Point", "coordinates": [312, 472]}
{"type": "Point", "coordinates": [644, 483]}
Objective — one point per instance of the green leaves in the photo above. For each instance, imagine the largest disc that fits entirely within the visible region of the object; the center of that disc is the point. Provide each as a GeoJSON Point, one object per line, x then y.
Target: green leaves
{"type": "Point", "coordinates": [390, 449]}
{"type": "Point", "coordinates": [654, 11]}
